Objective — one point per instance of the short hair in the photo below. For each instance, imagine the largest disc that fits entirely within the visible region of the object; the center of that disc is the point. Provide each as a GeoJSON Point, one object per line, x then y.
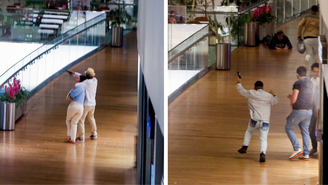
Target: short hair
{"type": "Point", "coordinates": [83, 77]}
{"type": "Point", "coordinates": [314, 8]}
{"type": "Point", "coordinates": [258, 85]}
{"type": "Point", "coordinates": [280, 32]}
{"type": "Point", "coordinates": [301, 71]}
{"type": "Point", "coordinates": [315, 65]}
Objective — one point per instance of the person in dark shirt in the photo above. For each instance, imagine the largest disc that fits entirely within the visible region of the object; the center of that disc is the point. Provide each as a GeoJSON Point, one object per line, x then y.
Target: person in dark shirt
{"type": "Point", "coordinates": [301, 102]}
{"type": "Point", "coordinates": [280, 41]}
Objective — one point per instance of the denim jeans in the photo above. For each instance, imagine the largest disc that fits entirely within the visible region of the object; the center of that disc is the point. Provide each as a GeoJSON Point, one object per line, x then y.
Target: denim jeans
{"type": "Point", "coordinates": [302, 119]}
{"type": "Point", "coordinates": [263, 127]}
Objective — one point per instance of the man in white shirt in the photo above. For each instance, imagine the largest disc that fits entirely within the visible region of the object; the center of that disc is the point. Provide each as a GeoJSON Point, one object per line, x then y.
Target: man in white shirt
{"type": "Point", "coordinates": [316, 100]}
{"type": "Point", "coordinates": [90, 86]}
{"type": "Point", "coordinates": [259, 103]}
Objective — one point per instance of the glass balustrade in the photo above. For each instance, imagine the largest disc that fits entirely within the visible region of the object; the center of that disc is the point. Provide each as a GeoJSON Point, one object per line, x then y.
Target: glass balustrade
{"type": "Point", "coordinates": [182, 36]}
{"type": "Point", "coordinates": [187, 59]}
{"type": "Point", "coordinates": [42, 25]}
{"type": "Point", "coordinates": [286, 10]}
{"type": "Point", "coordinates": [53, 56]}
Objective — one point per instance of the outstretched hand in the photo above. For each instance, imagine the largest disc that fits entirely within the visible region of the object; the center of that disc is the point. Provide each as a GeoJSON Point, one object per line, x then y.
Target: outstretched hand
{"type": "Point", "coordinates": [238, 80]}
{"type": "Point", "coordinates": [289, 96]}
{"type": "Point", "coordinates": [70, 72]}
{"type": "Point", "coordinates": [271, 92]}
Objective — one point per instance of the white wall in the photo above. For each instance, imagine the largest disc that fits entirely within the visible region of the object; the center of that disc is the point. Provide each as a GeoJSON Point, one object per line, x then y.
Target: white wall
{"type": "Point", "coordinates": [323, 10]}
{"type": "Point", "coordinates": [151, 52]}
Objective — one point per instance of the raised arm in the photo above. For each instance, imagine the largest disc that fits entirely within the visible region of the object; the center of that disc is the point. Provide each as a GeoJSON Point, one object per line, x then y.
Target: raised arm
{"type": "Point", "coordinates": [242, 91]}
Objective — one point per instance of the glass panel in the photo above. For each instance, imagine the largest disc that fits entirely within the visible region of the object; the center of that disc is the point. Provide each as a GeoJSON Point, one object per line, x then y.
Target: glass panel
{"type": "Point", "coordinates": [188, 65]}
{"type": "Point", "coordinates": [304, 5]}
{"type": "Point", "coordinates": [56, 54]}
{"type": "Point", "coordinates": [187, 42]}
{"type": "Point", "coordinates": [43, 25]}
{"type": "Point", "coordinates": [296, 7]}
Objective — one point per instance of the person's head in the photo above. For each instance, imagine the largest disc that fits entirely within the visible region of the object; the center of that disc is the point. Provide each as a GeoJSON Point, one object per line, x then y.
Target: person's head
{"type": "Point", "coordinates": [80, 78]}
{"type": "Point", "coordinates": [90, 73]}
{"type": "Point", "coordinates": [258, 85]}
{"type": "Point", "coordinates": [280, 35]}
{"type": "Point", "coordinates": [315, 70]}
{"type": "Point", "coordinates": [301, 72]}
{"type": "Point", "coordinates": [314, 9]}
{"type": "Point", "coordinates": [172, 12]}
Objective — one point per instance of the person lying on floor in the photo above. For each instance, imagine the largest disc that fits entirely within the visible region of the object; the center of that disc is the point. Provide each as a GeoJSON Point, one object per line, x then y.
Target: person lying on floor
{"type": "Point", "coordinates": [280, 41]}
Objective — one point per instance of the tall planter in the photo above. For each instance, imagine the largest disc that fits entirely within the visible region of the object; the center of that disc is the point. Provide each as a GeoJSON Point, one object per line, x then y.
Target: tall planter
{"type": "Point", "coordinates": [117, 36]}
{"type": "Point", "coordinates": [252, 34]}
{"type": "Point", "coordinates": [7, 116]}
{"type": "Point", "coordinates": [266, 29]}
{"type": "Point", "coordinates": [9, 113]}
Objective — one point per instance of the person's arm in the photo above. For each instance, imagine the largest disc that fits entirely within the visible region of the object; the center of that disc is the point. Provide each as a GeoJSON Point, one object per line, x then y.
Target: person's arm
{"type": "Point", "coordinates": [293, 97]}
{"type": "Point", "coordinates": [273, 43]}
{"type": "Point", "coordinates": [300, 28]}
{"type": "Point", "coordinates": [241, 90]}
{"type": "Point", "coordinates": [289, 45]}
{"type": "Point", "coordinates": [75, 92]}
{"type": "Point", "coordinates": [274, 100]}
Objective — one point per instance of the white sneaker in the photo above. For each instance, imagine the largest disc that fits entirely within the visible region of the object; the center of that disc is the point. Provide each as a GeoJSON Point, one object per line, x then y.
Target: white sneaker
{"type": "Point", "coordinates": [296, 154]}
{"type": "Point", "coordinates": [304, 157]}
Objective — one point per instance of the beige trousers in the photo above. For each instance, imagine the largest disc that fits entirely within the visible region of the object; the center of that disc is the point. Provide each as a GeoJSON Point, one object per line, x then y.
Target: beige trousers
{"type": "Point", "coordinates": [74, 113]}
{"type": "Point", "coordinates": [89, 113]}
{"type": "Point", "coordinates": [311, 48]}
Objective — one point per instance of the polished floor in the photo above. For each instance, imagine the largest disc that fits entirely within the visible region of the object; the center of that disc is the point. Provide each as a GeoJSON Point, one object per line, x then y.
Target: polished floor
{"type": "Point", "coordinates": [207, 123]}
{"type": "Point", "coordinates": [37, 153]}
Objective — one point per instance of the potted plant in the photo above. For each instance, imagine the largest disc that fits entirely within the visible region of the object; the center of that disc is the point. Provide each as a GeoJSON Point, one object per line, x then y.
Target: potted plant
{"type": "Point", "coordinates": [14, 99]}
{"type": "Point", "coordinates": [118, 17]}
{"type": "Point", "coordinates": [265, 18]}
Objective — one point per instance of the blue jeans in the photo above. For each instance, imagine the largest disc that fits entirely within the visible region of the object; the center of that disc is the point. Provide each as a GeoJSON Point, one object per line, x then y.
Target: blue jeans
{"type": "Point", "coordinates": [302, 119]}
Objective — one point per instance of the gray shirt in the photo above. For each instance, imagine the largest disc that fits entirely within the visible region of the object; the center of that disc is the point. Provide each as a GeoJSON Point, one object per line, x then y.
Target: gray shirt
{"type": "Point", "coordinates": [304, 98]}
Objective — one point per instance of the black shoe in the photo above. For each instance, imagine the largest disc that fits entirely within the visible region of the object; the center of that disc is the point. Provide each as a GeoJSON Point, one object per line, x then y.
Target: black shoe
{"type": "Point", "coordinates": [262, 157]}
{"type": "Point", "coordinates": [92, 137]}
{"type": "Point", "coordinates": [243, 150]}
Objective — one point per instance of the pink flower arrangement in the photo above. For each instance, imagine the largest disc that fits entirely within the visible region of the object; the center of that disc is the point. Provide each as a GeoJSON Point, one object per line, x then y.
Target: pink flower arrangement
{"type": "Point", "coordinates": [13, 89]}
{"type": "Point", "coordinates": [14, 93]}
{"type": "Point", "coordinates": [263, 15]}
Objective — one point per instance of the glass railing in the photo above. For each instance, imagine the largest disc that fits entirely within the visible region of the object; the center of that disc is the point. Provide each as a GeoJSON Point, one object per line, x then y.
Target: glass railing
{"type": "Point", "coordinates": [187, 60]}
{"type": "Point", "coordinates": [286, 10]}
{"type": "Point", "coordinates": [53, 56]}
{"type": "Point", "coordinates": [30, 25]}
{"type": "Point", "coordinates": [177, 37]}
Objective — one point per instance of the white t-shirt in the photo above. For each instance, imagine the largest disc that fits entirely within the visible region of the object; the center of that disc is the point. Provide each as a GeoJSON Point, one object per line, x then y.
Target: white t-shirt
{"type": "Point", "coordinates": [90, 86]}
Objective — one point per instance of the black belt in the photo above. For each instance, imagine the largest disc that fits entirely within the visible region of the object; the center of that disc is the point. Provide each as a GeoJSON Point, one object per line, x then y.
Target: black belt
{"type": "Point", "coordinates": [310, 37]}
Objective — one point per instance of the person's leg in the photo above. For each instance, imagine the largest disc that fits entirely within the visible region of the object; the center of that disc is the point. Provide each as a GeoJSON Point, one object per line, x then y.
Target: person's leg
{"type": "Point", "coordinates": [304, 127]}
{"type": "Point", "coordinates": [315, 57]}
{"type": "Point", "coordinates": [263, 132]}
{"type": "Point", "coordinates": [70, 113]}
{"type": "Point", "coordinates": [312, 130]}
{"type": "Point", "coordinates": [75, 119]}
{"type": "Point", "coordinates": [250, 130]}
{"type": "Point", "coordinates": [252, 126]}
{"type": "Point", "coordinates": [80, 124]}
{"type": "Point", "coordinates": [92, 121]}
{"type": "Point", "coordinates": [292, 122]}
{"type": "Point", "coordinates": [309, 52]}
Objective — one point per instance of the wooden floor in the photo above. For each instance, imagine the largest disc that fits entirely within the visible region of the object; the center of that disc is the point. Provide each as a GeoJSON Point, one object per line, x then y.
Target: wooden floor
{"type": "Point", "coordinates": [36, 153]}
{"type": "Point", "coordinates": [208, 121]}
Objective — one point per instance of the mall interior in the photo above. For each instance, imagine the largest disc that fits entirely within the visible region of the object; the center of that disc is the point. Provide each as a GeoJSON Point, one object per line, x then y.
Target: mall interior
{"type": "Point", "coordinates": [175, 122]}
